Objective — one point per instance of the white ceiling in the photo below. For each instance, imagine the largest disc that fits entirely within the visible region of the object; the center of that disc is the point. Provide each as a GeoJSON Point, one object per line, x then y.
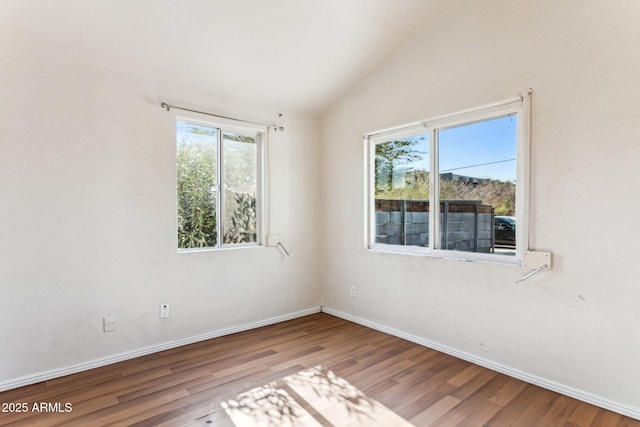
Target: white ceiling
{"type": "Point", "coordinates": [298, 55]}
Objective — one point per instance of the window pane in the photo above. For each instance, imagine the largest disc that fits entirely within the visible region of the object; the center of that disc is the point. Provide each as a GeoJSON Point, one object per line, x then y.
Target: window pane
{"type": "Point", "coordinates": [196, 180]}
{"type": "Point", "coordinates": [402, 191]}
{"type": "Point", "coordinates": [477, 164]}
{"type": "Point", "coordinates": [240, 165]}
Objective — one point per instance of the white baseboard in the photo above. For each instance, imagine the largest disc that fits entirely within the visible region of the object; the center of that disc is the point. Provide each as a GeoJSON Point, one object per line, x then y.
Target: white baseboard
{"type": "Point", "coordinates": [629, 411]}
{"type": "Point", "coordinates": [56, 373]}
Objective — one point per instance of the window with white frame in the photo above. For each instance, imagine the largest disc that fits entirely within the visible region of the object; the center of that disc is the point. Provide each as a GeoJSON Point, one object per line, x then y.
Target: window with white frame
{"type": "Point", "coordinates": [454, 186]}
{"type": "Point", "coordinates": [218, 185]}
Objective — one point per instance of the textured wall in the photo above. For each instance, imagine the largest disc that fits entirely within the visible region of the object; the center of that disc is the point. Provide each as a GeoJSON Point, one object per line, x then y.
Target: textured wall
{"type": "Point", "coordinates": [576, 324]}
{"type": "Point", "coordinates": [88, 219]}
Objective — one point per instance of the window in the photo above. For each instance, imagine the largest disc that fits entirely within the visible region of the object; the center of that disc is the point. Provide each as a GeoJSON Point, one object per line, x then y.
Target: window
{"type": "Point", "coordinates": [453, 186]}
{"type": "Point", "coordinates": [218, 185]}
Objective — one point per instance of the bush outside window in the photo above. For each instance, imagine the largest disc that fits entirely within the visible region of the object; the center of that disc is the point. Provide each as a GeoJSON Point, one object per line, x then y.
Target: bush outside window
{"type": "Point", "coordinates": [218, 171]}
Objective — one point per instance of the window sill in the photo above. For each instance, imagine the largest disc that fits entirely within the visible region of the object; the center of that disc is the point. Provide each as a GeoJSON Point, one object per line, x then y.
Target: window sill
{"type": "Point", "coordinates": [448, 255]}
{"type": "Point", "coordinates": [219, 249]}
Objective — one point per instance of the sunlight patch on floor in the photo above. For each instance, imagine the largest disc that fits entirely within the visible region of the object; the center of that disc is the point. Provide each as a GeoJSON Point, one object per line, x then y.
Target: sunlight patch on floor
{"type": "Point", "coordinates": [314, 397]}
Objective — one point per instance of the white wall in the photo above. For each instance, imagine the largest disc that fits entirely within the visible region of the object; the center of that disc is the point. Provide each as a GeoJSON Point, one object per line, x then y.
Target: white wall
{"type": "Point", "coordinates": [88, 219]}
{"type": "Point", "coordinates": [574, 326]}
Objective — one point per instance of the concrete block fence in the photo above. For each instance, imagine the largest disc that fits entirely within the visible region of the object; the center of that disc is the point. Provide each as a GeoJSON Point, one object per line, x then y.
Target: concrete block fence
{"type": "Point", "coordinates": [467, 225]}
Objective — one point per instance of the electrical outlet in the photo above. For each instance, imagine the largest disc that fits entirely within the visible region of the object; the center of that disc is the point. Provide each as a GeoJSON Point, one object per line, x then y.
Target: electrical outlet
{"type": "Point", "coordinates": [109, 323]}
{"type": "Point", "coordinates": [353, 291]}
{"type": "Point", "coordinates": [165, 311]}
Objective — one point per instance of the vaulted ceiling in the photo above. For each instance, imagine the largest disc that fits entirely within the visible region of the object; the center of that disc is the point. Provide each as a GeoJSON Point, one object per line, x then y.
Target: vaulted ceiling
{"type": "Point", "coordinates": [298, 55]}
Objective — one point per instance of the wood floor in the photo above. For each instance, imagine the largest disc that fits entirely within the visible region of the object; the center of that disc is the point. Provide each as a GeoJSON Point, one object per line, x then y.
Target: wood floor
{"type": "Point", "coordinates": [186, 386]}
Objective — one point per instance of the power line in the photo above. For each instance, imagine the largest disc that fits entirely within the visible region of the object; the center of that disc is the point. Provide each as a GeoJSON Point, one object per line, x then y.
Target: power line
{"type": "Point", "coordinates": [480, 164]}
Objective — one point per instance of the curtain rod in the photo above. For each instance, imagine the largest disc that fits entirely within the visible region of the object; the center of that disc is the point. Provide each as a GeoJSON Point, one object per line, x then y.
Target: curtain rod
{"type": "Point", "coordinates": [425, 123]}
{"type": "Point", "coordinates": [276, 127]}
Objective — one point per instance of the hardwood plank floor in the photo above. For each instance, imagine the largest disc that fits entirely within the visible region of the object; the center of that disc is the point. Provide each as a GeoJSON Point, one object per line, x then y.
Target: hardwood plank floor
{"type": "Point", "coordinates": [187, 385]}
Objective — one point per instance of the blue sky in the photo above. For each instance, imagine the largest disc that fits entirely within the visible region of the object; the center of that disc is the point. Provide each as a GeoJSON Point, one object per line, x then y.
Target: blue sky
{"type": "Point", "coordinates": [485, 149]}
{"type": "Point", "coordinates": [482, 150]}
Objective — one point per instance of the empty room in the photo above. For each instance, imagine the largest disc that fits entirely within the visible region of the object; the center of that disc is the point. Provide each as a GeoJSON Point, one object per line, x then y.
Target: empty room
{"type": "Point", "coordinates": [319, 213]}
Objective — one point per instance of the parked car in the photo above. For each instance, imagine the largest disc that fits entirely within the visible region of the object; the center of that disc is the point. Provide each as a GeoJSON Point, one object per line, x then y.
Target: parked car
{"type": "Point", "coordinates": [505, 231]}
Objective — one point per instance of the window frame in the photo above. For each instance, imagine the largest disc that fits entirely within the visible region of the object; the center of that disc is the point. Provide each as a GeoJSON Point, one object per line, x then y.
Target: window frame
{"type": "Point", "coordinates": [228, 126]}
{"type": "Point", "coordinates": [520, 107]}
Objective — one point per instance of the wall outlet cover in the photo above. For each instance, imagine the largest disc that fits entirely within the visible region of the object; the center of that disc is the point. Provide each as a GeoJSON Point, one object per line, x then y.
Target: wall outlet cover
{"type": "Point", "coordinates": [165, 311]}
{"type": "Point", "coordinates": [108, 323]}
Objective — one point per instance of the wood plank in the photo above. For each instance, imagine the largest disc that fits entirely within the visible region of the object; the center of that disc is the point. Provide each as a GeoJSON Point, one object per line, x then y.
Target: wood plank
{"type": "Point", "coordinates": [583, 415]}
{"type": "Point", "coordinates": [185, 385]}
{"type": "Point", "coordinates": [435, 411]}
{"type": "Point", "coordinates": [465, 375]}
